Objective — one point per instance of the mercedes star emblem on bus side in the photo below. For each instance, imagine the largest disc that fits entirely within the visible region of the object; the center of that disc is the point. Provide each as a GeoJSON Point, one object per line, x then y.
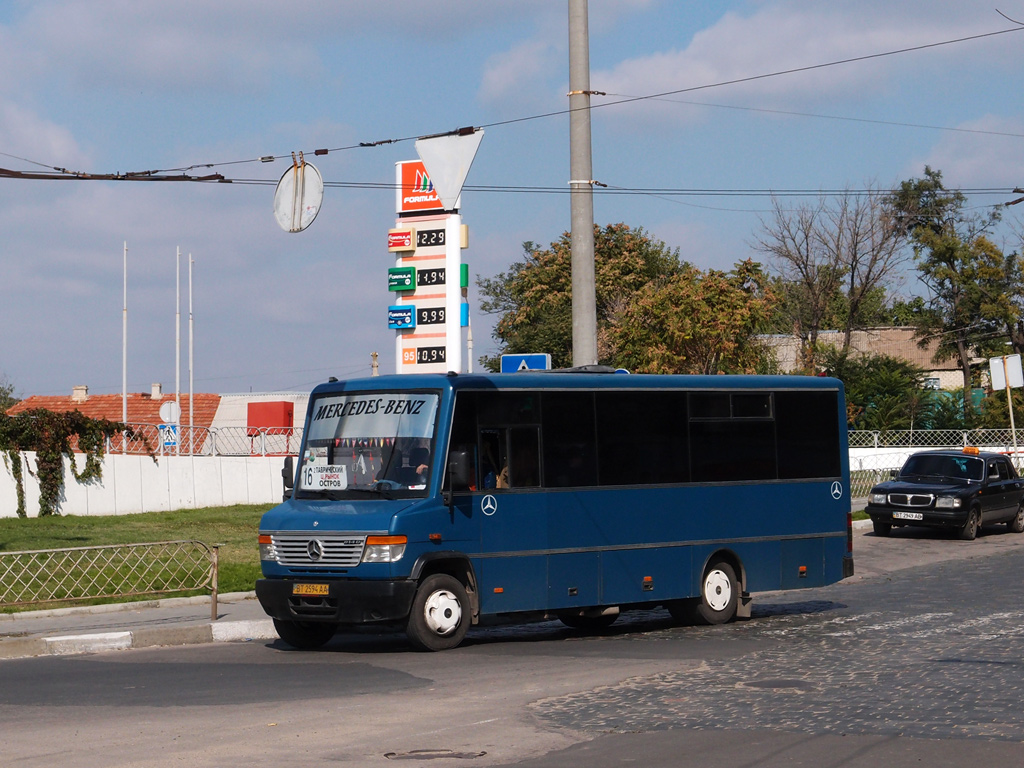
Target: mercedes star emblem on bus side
{"type": "Point", "coordinates": [837, 490]}
{"type": "Point", "coordinates": [488, 505]}
{"type": "Point", "coordinates": [315, 549]}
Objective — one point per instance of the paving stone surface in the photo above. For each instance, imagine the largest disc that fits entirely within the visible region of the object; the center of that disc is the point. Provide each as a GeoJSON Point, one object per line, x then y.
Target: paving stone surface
{"type": "Point", "coordinates": [934, 651]}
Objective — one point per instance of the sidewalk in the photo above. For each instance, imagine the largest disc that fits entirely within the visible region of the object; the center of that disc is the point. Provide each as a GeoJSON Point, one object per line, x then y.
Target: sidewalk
{"type": "Point", "coordinates": [171, 621]}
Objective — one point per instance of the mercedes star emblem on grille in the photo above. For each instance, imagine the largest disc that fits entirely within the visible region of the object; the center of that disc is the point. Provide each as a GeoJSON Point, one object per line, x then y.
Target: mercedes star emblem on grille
{"type": "Point", "coordinates": [315, 549]}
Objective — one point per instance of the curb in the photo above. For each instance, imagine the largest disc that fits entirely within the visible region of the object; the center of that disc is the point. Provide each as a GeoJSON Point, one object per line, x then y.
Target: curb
{"type": "Point", "coordinates": [97, 642]}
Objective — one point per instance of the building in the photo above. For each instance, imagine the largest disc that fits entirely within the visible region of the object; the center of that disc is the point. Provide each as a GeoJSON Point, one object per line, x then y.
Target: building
{"type": "Point", "coordinates": [892, 341]}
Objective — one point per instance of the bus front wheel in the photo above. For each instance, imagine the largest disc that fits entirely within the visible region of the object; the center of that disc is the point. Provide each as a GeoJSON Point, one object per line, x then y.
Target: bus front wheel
{"type": "Point", "coordinates": [304, 635]}
{"type": "Point", "coordinates": [719, 595]}
{"type": "Point", "coordinates": [440, 614]}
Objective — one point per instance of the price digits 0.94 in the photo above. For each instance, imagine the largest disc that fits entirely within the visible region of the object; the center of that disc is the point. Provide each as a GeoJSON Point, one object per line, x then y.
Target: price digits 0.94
{"type": "Point", "coordinates": [430, 355]}
{"type": "Point", "coordinates": [428, 237]}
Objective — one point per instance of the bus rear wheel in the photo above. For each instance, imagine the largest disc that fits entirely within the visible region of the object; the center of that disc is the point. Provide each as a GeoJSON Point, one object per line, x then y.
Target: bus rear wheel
{"type": "Point", "coordinates": [304, 635]}
{"type": "Point", "coordinates": [440, 614]}
{"type": "Point", "coordinates": [719, 595]}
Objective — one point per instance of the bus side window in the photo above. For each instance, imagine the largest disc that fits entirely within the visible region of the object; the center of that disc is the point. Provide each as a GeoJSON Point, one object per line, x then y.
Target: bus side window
{"type": "Point", "coordinates": [524, 462]}
{"type": "Point", "coordinates": [494, 458]}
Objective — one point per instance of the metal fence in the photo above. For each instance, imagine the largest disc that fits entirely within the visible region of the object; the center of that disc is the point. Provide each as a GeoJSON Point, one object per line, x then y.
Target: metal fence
{"type": "Point", "coordinates": [934, 438]}
{"type": "Point", "coordinates": [207, 441]}
{"type": "Point", "coordinates": [120, 570]}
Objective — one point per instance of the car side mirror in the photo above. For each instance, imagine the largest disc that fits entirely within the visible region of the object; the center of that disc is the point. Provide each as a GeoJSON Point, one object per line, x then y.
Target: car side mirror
{"type": "Point", "coordinates": [288, 476]}
{"type": "Point", "coordinates": [893, 474]}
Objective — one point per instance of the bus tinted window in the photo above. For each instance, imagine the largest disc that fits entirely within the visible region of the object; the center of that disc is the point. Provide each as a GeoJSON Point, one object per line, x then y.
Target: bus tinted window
{"type": "Point", "coordinates": [808, 433]}
{"type": "Point", "coordinates": [629, 450]}
{"type": "Point", "coordinates": [569, 439]}
{"type": "Point", "coordinates": [732, 450]}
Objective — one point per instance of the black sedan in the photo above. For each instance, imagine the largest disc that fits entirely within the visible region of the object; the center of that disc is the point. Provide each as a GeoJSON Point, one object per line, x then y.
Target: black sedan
{"type": "Point", "coordinates": [958, 490]}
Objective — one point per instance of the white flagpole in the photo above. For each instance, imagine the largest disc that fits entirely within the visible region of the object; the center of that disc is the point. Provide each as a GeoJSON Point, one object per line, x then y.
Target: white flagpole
{"type": "Point", "coordinates": [191, 391]}
{"type": "Point", "coordinates": [124, 350]}
{"type": "Point", "coordinates": [177, 348]}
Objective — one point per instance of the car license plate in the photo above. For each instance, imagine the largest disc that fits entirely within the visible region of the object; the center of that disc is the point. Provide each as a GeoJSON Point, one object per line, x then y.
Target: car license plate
{"type": "Point", "coordinates": [907, 516]}
{"type": "Point", "coordinates": [310, 589]}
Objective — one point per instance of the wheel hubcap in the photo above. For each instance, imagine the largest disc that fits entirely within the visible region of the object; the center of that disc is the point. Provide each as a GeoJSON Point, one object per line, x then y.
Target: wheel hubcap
{"type": "Point", "coordinates": [717, 590]}
{"type": "Point", "coordinates": [442, 612]}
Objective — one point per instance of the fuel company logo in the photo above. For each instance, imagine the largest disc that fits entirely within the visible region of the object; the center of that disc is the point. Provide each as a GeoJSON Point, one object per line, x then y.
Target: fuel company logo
{"type": "Point", "coordinates": [415, 189]}
{"type": "Point", "coordinates": [423, 182]}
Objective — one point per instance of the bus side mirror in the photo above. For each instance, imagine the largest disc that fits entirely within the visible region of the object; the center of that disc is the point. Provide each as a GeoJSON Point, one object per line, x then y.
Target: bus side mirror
{"type": "Point", "coordinates": [459, 475]}
{"type": "Point", "coordinates": [288, 476]}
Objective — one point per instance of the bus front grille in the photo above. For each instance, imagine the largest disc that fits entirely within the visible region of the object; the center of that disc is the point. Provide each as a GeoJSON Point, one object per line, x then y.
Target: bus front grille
{"type": "Point", "coordinates": [306, 549]}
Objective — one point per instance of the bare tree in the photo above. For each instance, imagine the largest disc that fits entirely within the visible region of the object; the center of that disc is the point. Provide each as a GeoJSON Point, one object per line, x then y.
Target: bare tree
{"type": "Point", "coordinates": [811, 273]}
{"type": "Point", "coordinates": [864, 237]}
{"type": "Point", "coordinates": [837, 250]}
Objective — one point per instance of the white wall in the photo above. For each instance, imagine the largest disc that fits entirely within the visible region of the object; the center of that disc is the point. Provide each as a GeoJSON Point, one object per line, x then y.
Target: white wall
{"type": "Point", "coordinates": [135, 484]}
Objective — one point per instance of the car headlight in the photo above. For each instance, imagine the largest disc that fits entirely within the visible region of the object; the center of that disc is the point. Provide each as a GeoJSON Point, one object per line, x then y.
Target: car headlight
{"type": "Point", "coordinates": [947, 502]}
{"type": "Point", "coordinates": [384, 549]}
{"type": "Point", "coordinates": [876, 498]}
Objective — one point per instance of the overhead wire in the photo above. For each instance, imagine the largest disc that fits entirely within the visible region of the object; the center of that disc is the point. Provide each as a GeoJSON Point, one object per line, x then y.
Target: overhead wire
{"type": "Point", "coordinates": [162, 174]}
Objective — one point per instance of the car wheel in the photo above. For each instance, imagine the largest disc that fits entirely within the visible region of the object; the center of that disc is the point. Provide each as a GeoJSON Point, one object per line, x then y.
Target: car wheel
{"type": "Point", "coordinates": [304, 635]}
{"type": "Point", "coordinates": [881, 528]}
{"type": "Point", "coordinates": [970, 530]}
{"type": "Point", "coordinates": [719, 595]}
{"type": "Point", "coordinates": [1016, 525]}
{"type": "Point", "coordinates": [440, 614]}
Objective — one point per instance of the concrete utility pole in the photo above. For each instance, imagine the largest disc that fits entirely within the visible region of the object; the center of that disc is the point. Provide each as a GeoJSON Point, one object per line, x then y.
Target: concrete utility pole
{"type": "Point", "coordinates": [584, 302]}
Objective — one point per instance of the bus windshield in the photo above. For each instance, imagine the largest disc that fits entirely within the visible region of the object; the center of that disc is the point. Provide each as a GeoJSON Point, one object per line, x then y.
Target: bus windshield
{"type": "Point", "coordinates": [373, 442]}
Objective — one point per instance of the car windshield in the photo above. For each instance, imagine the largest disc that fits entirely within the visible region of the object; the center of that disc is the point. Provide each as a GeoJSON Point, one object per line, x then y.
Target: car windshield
{"type": "Point", "coordinates": [380, 443]}
{"type": "Point", "coordinates": [953, 467]}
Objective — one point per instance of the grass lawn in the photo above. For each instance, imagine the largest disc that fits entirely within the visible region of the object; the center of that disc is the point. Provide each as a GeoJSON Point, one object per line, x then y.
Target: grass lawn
{"type": "Point", "coordinates": [234, 528]}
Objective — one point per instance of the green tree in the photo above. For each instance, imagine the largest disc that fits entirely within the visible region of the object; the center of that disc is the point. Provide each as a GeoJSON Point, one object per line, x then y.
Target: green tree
{"type": "Point", "coordinates": [697, 322]}
{"type": "Point", "coordinates": [882, 392]}
{"type": "Point", "coordinates": [7, 398]}
{"type": "Point", "coordinates": [958, 264]}
{"type": "Point", "coordinates": [534, 297]}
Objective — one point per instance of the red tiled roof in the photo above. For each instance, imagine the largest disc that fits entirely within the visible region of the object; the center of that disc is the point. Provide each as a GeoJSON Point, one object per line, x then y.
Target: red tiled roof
{"type": "Point", "coordinates": [142, 409]}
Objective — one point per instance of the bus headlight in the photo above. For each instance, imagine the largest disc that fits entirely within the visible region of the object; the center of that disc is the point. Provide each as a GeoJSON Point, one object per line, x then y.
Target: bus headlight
{"type": "Point", "coordinates": [267, 549]}
{"type": "Point", "coordinates": [876, 498]}
{"type": "Point", "coordinates": [384, 549]}
{"type": "Point", "coordinates": [947, 502]}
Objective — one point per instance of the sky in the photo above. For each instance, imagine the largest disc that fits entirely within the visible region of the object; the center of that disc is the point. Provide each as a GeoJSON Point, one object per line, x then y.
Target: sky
{"type": "Point", "coordinates": [133, 85]}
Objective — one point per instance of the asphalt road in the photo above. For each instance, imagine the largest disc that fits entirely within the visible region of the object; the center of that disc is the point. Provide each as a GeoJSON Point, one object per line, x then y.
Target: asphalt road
{"type": "Point", "coordinates": [919, 659]}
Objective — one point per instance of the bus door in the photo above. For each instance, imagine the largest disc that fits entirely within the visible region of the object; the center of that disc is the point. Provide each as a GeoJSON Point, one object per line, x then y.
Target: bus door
{"type": "Point", "coordinates": [512, 566]}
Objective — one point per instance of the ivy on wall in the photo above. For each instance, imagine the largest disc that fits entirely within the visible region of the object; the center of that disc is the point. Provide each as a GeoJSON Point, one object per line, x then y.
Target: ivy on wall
{"type": "Point", "coordinates": [53, 436]}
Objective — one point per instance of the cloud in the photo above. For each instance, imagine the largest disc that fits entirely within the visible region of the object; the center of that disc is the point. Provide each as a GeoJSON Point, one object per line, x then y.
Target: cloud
{"type": "Point", "coordinates": [718, 62]}
{"type": "Point", "coordinates": [994, 161]}
{"type": "Point", "coordinates": [37, 138]}
{"type": "Point", "coordinates": [522, 75]}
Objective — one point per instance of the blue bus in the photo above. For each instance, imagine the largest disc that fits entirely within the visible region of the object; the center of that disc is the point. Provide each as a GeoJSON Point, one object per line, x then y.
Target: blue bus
{"type": "Point", "coordinates": [440, 501]}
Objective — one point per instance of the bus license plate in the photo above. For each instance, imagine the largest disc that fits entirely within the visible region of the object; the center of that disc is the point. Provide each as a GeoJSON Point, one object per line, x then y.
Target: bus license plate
{"type": "Point", "coordinates": [310, 589]}
{"type": "Point", "coordinates": [908, 516]}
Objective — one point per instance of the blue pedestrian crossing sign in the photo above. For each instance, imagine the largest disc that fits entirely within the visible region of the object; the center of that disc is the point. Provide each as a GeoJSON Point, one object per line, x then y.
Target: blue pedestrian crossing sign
{"type": "Point", "coordinates": [169, 434]}
{"type": "Point", "coordinates": [531, 362]}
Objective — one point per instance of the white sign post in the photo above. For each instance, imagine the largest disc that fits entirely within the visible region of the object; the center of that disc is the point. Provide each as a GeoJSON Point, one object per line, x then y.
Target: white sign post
{"type": "Point", "coordinates": [1006, 373]}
